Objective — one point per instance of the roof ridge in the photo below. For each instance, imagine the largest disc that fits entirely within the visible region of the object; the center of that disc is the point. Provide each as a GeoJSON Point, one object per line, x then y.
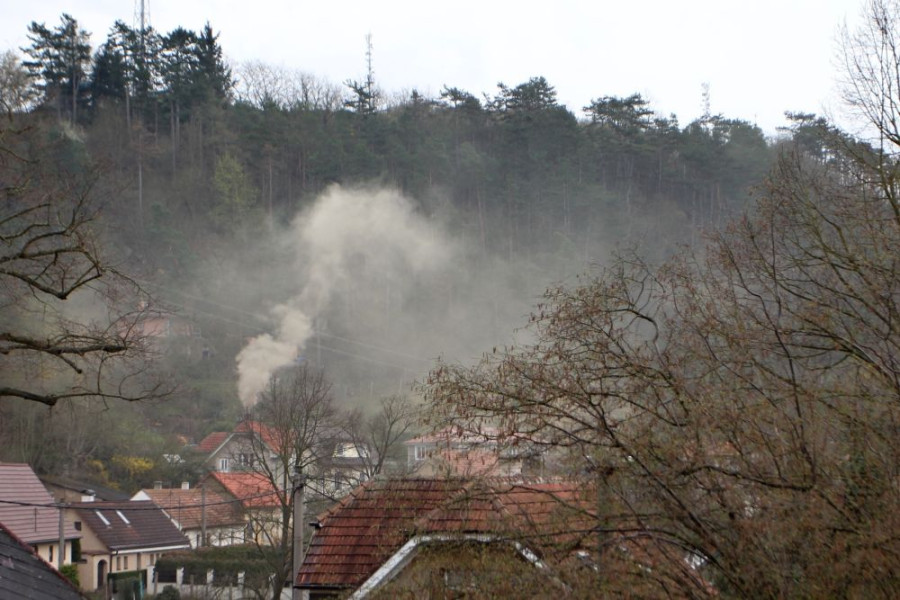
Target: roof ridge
{"type": "Point", "coordinates": [354, 493]}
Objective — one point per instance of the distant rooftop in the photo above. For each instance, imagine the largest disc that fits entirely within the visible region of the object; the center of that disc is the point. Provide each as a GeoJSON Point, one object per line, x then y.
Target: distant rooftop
{"type": "Point", "coordinates": [26, 507]}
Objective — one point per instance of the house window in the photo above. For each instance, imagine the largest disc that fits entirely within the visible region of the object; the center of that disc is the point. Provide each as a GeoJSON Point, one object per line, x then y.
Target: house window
{"type": "Point", "coordinates": [118, 563]}
{"type": "Point", "coordinates": [420, 452]}
{"type": "Point", "coordinates": [50, 560]}
{"type": "Point", "coordinates": [126, 563]}
{"type": "Point", "coordinates": [223, 465]}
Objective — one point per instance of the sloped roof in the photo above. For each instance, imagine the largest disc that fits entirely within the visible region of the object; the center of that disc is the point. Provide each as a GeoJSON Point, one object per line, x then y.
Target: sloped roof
{"type": "Point", "coordinates": [32, 519]}
{"type": "Point", "coordinates": [24, 574]}
{"type": "Point", "coordinates": [211, 443]}
{"type": "Point", "coordinates": [186, 507]}
{"type": "Point", "coordinates": [254, 490]}
{"type": "Point", "coordinates": [216, 439]}
{"type": "Point", "coordinates": [129, 525]}
{"type": "Point", "coordinates": [375, 520]}
{"type": "Point", "coordinates": [267, 434]}
{"type": "Point", "coordinates": [61, 482]}
{"type": "Point", "coordinates": [548, 510]}
{"type": "Point", "coordinates": [366, 527]}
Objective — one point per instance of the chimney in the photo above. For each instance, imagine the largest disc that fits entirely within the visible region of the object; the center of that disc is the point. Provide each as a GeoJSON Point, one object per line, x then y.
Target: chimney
{"type": "Point", "coordinates": [88, 495]}
{"type": "Point", "coordinates": [185, 485]}
{"type": "Point", "coordinates": [157, 485]}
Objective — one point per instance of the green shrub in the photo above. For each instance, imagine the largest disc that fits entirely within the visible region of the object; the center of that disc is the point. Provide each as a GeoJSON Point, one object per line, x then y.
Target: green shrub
{"type": "Point", "coordinates": [70, 572]}
{"type": "Point", "coordinates": [169, 593]}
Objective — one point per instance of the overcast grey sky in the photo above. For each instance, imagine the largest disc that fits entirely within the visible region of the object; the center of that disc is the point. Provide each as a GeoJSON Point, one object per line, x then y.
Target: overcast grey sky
{"type": "Point", "coordinates": [759, 58]}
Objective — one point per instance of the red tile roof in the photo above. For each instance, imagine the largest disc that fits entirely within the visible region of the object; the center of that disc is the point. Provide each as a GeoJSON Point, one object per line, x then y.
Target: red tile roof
{"type": "Point", "coordinates": [211, 443]}
{"type": "Point", "coordinates": [186, 507]}
{"type": "Point", "coordinates": [27, 510]}
{"type": "Point", "coordinates": [521, 509]}
{"type": "Point", "coordinates": [268, 435]}
{"type": "Point", "coordinates": [367, 526]}
{"type": "Point", "coordinates": [254, 490]}
{"type": "Point", "coordinates": [375, 520]}
{"type": "Point", "coordinates": [130, 524]}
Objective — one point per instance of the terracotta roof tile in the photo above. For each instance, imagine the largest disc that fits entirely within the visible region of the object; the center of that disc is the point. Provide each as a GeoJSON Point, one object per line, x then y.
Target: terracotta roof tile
{"type": "Point", "coordinates": [376, 519]}
{"type": "Point", "coordinates": [186, 507]}
{"type": "Point", "coordinates": [254, 490]}
{"type": "Point", "coordinates": [268, 435]}
{"type": "Point", "coordinates": [367, 526]}
{"type": "Point", "coordinates": [211, 443]}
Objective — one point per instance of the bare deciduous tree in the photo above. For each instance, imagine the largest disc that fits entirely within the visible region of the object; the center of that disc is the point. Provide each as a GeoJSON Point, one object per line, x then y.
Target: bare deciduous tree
{"type": "Point", "coordinates": [262, 84]}
{"type": "Point", "coordinates": [737, 407]}
{"type": "Point", "coordinates": [293, 413]}
{"type": "Point", "coordinates": [70, 320]}
{"type": "Point", "coordinates": [377, 435]}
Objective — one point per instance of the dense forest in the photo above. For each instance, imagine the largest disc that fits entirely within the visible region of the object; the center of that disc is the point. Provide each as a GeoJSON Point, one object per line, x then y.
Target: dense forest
{"type": "Point", "coordinates": [205, 172]}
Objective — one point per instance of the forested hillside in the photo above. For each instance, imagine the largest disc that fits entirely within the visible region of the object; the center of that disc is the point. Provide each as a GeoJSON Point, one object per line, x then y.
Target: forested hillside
{"type": "Point", "coordinates": [203, 168]}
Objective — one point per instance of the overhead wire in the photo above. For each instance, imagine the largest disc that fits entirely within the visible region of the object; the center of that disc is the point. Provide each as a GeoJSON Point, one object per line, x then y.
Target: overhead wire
{"type": "Point", "coordinates": [261, 329]}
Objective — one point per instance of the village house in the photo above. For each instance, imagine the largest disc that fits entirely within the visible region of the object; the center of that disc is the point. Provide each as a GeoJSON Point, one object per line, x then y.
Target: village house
{"type": "Point", "coordinates": [452, 453]}
{"type": "Point", "coordinates": [29, 511]}
{"type": "Point", "coordinates": [259, 501]}
{"type": "Point", "coordinates": [250, 446]}
{"type": "Point", "coordinates": [438, 538]}
{"type": "Point", "coordinates": [336, 464]}
{"type": "Point", "coordinates": [340, 468]}
{"type": "Point", "coordinates": [199, 511]}
{"type": "Point", "coordinates": [121, 542]}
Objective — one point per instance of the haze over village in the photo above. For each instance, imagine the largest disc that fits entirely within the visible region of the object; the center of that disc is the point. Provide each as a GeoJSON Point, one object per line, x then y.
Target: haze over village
{"type": "Point", "coordinates": [273, 331]}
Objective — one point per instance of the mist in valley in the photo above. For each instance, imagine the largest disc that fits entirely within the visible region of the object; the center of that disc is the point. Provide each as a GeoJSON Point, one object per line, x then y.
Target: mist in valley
{"type": "Point", "coordinates": [278, 219]}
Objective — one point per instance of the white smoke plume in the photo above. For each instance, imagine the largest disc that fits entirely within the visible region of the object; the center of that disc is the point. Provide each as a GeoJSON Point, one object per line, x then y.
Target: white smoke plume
{"type": "Point", "coordinates": [347, 234]}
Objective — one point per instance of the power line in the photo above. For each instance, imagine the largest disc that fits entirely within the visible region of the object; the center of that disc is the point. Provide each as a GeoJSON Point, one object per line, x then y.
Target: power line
{"type": "Point", "coordinates": [124, 504]}
{"type": "Point", "coordinates": [261, 329]}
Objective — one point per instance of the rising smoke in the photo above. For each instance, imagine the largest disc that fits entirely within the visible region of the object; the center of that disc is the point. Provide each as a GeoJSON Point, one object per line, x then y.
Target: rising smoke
{"type": "Point", "coordinates": [353, 248]}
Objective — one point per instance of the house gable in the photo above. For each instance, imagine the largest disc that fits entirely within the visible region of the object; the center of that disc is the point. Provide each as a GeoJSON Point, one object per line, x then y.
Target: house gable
{"type": "Point", "coordinates": [28, 510]}
{"type": "Point", "coordinates": [370, 537]}
{"type": "Point", "coordinates": [447, 567]}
